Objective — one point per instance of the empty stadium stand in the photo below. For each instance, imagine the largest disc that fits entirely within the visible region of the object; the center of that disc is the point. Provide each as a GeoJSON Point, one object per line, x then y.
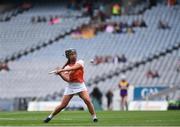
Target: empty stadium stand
{"type": "Point", "coordinates": [28, 76]}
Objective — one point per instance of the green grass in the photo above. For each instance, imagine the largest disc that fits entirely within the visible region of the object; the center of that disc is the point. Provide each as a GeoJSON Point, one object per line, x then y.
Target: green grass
{"type": "Point", "coordinates": [82, 118]}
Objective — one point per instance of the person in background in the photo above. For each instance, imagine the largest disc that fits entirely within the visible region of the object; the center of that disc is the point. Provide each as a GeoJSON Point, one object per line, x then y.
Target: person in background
{"type": "Point", "coordinates": [130, 30]}
{"type": "Point", "coordinates": [163, 25]}
{"type": "Point", "coordinates": [110, 28]}
{"type": "Point", "coordinates": [109, 96]}
{"type": "Point", "coordinates": [88, 9]}
{"type": "Point", "coordinates": [96, 94]}
{"type": "Point", "coordinates": [4, 66]}
{"type": "Point", "coordinates": [116, 9]}
{"type": "Point", "coordinates": [143, 23]}
{"type": "Point", "coordinates": [123, 58]}
{"type": "Point", "coordinates": [152, 74]}
{"type": "Point", "coordinates": [171, 3]}
{"type": "Point", "coordinates": [123, 86]}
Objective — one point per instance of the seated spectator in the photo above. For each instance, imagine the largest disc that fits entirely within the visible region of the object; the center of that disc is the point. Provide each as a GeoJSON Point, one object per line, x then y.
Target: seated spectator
{"type": "Point", "coordinates": [116, 59]}
{"type": "Point", "coordinates": [97, 60]}
{"type": "Point", "coordinates": [88, 32]}
{"type": "Point", "coordinates": [108, 59]}
{"type": "Point", "coordinates": [171, 2]}
{"type": "Point", "coordinates": [123, 25]}
{"type": "Point", "coordinates": [54, 21]}
{"type": "Point", "coordinates": [163, 25]}
{"type": "Point", "coordinates": [44, 19]}
{"type": "Point", "coordinates": [123, 58]}
{"type": "Point", "coordinates": [38, 19]}
{"type": "Point", "coordinates": [85, 32]}
{"type": "Point", "coordinates": [130, 30]}
{"type": "Point", "coordinates": [139, 23]}
{"type": "Point", "coordinates": [33, 20]}
{"type": "Point", "coordinates": [110, 28]}
{"type": "Point", "coordinates": [152, 74]}
{"type": "Point", "coordinates": [136, 23]}
{"type": "Point", "coordinates": [88, 9]}
{"type": "Point", "coordinates": [120, 59]}
{"type": "Point", "coordinates": [101, 16]}
{"type": "Point", "coordinates": [101, 27]}
{"type": "Point", "coordinates": [116, 9]}
{"type": "Point", "coordinates": [76, 34]}
{"type": "Point", "coordinates": [143, 23]}
{"type": "Point", "coordinates": [4, 66]}
{"type": "Point", "coordinates": [117, 28]}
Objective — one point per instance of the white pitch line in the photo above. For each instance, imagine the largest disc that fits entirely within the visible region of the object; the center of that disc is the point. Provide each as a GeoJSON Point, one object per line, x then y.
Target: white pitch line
{"type": "Point", "coordinates": [88, 126]}
{"type": "Point", "coordinates": [15, 113]}
{"type": "Point", "coordinates": [13, 119]}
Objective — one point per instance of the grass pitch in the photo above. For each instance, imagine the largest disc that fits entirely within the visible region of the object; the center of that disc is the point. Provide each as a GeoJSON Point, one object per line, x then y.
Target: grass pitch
{"type": "Point", "coordinates": [82, 118]}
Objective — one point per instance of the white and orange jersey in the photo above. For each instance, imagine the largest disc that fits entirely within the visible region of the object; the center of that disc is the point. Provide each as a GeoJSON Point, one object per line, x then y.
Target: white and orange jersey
{"type": "Point", "coordinates": [77, 76]}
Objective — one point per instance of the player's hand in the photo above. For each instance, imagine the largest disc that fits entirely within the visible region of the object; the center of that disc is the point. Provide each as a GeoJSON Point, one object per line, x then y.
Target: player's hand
{"type": "Point", "coordinates": [58, 70]}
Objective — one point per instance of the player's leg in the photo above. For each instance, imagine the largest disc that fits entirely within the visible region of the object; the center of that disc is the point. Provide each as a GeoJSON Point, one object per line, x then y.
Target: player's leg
{"type": "Point", "coordinates": [122, 103]}
{"type": "Point", "coordinates": [108, 104]}
{"type": "Point", "coordinates": [126, 103]}
{"type": "Point", "coordinates": [64, 103]}
{"type": "Point", "coordinates": [86, 98]}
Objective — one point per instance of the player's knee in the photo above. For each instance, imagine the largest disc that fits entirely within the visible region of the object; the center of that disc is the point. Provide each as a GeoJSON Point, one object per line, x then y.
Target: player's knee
{"type": "Point", "coordinates": [87, 101]}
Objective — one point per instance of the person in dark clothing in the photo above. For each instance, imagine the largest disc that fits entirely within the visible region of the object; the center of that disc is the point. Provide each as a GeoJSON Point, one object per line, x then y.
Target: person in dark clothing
{"type": "Point", "coordinates": [163, 25]}
{"type": "Point", "coordinates": [109, 96]}
{"type": "Point", "coordinates": [96, 93]}
{"type": "Point", "coordinates": [143, 23]}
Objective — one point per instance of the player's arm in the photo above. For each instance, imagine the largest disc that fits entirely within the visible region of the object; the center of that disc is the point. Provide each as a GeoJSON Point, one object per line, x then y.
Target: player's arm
{"type": "Point", "coordinates": [64, 76]}
{"type": "Point", "coordinates": [119, 85]}
{"type": "Point", "coordinates": [75, 67]}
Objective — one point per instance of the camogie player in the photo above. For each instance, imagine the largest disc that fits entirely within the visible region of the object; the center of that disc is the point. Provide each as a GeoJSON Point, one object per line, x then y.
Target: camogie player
{"type": "Point", "coordinates": [123, 85]}
{"type": "Point", "coordinates": [73, 73]}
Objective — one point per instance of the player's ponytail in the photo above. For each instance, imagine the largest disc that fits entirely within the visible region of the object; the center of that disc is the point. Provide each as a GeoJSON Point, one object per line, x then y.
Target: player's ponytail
{"type": "Point", "coordinates": [68, 62]}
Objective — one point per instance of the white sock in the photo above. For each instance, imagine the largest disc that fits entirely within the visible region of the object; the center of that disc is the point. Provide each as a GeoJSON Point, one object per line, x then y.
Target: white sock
{"type": "Point", "coordinates": [50, 116]}
{"type": "Point", "coordinates": [94, 116]}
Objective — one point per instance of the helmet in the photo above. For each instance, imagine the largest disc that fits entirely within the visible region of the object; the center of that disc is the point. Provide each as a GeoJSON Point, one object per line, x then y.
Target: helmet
{"type": "Point", "coordinates": [69, 51]}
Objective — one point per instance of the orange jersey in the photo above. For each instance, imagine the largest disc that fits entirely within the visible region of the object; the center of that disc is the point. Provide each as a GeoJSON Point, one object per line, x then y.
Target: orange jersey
{"type": "Point", "coordinates": [77, 76]}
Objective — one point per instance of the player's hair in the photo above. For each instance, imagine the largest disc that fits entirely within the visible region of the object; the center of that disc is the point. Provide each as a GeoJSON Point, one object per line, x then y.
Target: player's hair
{"type": "Point", "coordinates": [68, 61]}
